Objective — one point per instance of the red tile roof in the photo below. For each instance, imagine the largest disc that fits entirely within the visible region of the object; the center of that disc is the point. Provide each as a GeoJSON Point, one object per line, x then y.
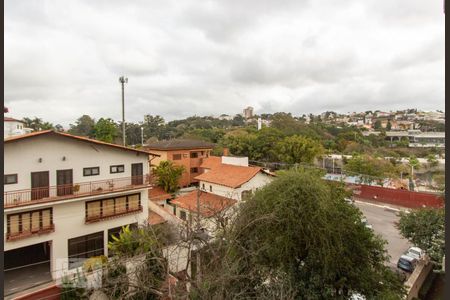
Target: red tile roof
{"type": "Point", "coordinates": [157, 193]}
{"type": "Point", "coordinates": [8, 119]}
{"type": "Point", "coordinates": [154, 218]}
{"type": "Point", "coordinates": [80, 138]}
{"type": "Point", "coordinates": [229, 175]}
{"type": "Point", "coordinates": [210, 204]}
{"type": "Point", "coordinates": [211, 162]}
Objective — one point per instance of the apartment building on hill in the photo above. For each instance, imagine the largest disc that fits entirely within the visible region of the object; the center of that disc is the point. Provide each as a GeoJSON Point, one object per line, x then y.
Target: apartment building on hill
{"type": "Point", "coordinates": [64, 196]}
{"type": "Point", "coordinates": [188, 153]}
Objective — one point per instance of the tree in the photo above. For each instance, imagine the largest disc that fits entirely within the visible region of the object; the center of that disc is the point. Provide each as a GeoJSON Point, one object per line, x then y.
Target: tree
{"type": "Point", "coordinates": [377, 125]}
{"type": "Point", "coordinates": [297, 238]}
{"type": "Point", "coordinates": [298, 149]}
{"type": "Point", "coordinates": [425, 228]}
{"type": "Point", "coordinates": [105, 130]}
{"type": "Point", "coordinates": [371, 169]}
{"type": "Point", "coordinates": [153, 125]}
{"type": "Point", "coordinates": [168, 175]}
{"type": "Point", "coordinates": [84, 126]}
{"type": "Point", "coordinates": [388, 126]}
{"type": "Point", "coordinates": [37, 124]}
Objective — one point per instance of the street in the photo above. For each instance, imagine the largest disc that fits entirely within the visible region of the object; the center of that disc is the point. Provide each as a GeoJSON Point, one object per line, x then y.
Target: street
{"type": "Point", "coordinates": [382, 220]}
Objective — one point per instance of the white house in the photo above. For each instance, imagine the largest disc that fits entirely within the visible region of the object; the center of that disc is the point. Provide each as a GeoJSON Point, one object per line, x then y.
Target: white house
{"type": "Point", "coordinates": [64, 196]}
{"type": "Point", "coordinates": [13, 127]}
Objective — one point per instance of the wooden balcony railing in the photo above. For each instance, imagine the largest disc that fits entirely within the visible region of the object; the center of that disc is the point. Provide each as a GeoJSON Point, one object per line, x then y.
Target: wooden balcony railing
{"type": "Point", "coordinates": [67, 191]}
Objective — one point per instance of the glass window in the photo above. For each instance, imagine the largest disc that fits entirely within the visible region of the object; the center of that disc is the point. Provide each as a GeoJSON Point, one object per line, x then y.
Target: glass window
{"type": "Point", "coordinates": [182, 215]}
{"type": "Point", "coordinates": [117, 169]}
{"type": "Point", "coordinates": [176, 157]}
{"type": "Point", "coordinates": [83, 247]}
{"type": "Point", "coordinates": [210, 188]}
{"type": "Point", "coordinates": [29, 222]}
{"type": "Point", "coordinates": [113, 206]}
{"type": "Point", "coordinates": [194, 154]}
{"type": "Point", "coordinates": [91, 171]}
{"type": "Point", "coordinates": [10, 179]}
{"type": "Point", "coordinates": [194, 170]}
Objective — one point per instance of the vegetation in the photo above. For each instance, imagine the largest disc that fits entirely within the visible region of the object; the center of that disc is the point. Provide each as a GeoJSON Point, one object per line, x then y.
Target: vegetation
{"type": "Point", "coordinates": [425, 228]}
{"type": "Point", "coordinates": [297, 238]}
{"type": "Point", "coordinates": [168, 175]}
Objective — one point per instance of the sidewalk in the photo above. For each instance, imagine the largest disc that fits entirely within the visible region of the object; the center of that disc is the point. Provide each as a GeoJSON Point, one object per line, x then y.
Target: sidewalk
{"type": "Point", "coordinates": [381, 204]}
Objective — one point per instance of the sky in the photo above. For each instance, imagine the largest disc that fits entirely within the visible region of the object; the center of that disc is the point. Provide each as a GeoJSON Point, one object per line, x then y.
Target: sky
{"type": "Point", "coordinates": [63, 59]}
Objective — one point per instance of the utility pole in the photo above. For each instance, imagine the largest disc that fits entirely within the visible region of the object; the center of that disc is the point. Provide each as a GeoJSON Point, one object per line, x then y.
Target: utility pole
{"type": "Point", "coordinates": [123, 80]}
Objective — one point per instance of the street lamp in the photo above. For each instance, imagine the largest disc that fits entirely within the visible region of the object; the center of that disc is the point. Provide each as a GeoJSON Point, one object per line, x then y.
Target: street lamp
{"type": "Point", "coordinates": [123, 80]}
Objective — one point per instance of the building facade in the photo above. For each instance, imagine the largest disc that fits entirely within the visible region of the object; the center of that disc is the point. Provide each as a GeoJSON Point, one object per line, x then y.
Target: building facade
{"type": "Point", "coordinates": [248, 112]}
{"type": "Point", "coordinates": [64, 198]}
{"type": "Point", "coordinates": [13, 127]}
{"type": "Point", "coordinates": [183, 152]}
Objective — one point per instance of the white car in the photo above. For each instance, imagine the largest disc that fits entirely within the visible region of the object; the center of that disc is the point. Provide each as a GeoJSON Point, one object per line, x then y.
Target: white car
{"type": "Point", "coordinates": [349, 200]}
{"type": "Point", "coordinates": [366, 223]}
{"type": "Point", "coordinates": [415, 252]}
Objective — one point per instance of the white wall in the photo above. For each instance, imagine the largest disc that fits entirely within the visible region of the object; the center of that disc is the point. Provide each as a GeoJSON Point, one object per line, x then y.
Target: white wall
{"type": "Point", "coordinates": [21, 157]}
{"type": "Point", "coordinates": [237, 161]}
{"type": "Point", "coordinates": [12, 128]}
{"type": "Point", "coordinates": [258, 181]}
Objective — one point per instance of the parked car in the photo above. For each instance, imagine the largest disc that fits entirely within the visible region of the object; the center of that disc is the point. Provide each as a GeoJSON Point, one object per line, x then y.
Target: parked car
{"type": "Point", "coordinates": [407, 263]}
{"type": "Point", "coordinates": [366, 223]}
{"type": "Point", "coordinates": [349, 200]}
{"type": "Point", "coordinates": [415, 252]}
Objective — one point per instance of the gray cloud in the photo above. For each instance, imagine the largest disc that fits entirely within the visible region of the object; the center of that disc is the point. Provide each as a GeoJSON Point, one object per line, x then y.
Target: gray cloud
{"type": "Point", "coordinates": [63, 58]}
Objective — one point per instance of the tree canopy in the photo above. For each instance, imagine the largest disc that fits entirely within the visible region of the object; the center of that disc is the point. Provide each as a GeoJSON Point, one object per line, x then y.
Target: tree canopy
{"type": "Point", "coordinates": [168, 175]}
{"type": "Point", "coordinates": [297, 238]}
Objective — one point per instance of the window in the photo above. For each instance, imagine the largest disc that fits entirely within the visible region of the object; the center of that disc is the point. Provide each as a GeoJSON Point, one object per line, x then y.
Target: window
{"type": "Point", "coordinates": [10, 179]}
{"type": "Point", "coordinates": [98, 209]}
{"type": "Point", "coordinates": [91, 171]}
{"type": "Point", "coordinates": [83, 247]}
{"type": "Point", "coordinates": [182, 215]}
{"type": "Point", "coordinates": [202, 152]}
{"type": "Point", "coordinates": [194, 154]}
{"type": "Point", "coordinates": [246, 194]}
{"type": "Point", "coordinates": [176, 157]}
{"type": "Point", "coordinates": [203, 186]}
{"type": "Point", "coordinates": [185, 155]}
{"type": "Point", "coordinates": [117, 169]}
{"type": "Point", "coordinates": [194, 170]}
{"type": "Point", "coordinates": [210, 188]}
{"type": "Point", "coordinates": [30, 222]}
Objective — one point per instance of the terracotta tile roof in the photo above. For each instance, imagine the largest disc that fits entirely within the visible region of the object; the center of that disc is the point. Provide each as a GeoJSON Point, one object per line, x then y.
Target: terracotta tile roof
{"type": "Point", "coordinates": [211, 162]}
{"type": "Point", "coordinates": [229, 175]}
{"type": "Point", "coordinates": [154, 218]}
{"type": "Point", "coordinates": [157, 193]}
{"type": "Point", "coordinates": [8, 119]}
{"type": "Point", "coordinates": [210, 204]}
{"type": "Point", "coordinates": [180, 144]}
{"type": "Point", "coordinates": [80, 138]}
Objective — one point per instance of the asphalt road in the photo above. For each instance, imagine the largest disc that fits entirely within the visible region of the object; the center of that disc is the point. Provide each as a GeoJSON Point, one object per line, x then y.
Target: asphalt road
{"type": "Point", "coordinates": [383, 220]}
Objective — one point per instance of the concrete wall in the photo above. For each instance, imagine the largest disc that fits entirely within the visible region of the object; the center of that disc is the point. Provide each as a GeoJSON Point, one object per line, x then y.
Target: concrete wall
{"type": "Point", "coordinates": [417, 278]}
{"type": "Point", "coordinates": [12, 128]}
{"type": "Point", "coordinates": [403, 198]}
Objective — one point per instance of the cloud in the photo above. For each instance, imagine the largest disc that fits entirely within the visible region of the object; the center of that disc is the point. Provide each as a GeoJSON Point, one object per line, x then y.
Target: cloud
{"type": "Point", "coordinates": [63, 58]}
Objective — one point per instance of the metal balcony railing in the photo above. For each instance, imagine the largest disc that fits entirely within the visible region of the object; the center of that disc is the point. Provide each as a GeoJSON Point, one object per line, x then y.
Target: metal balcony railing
{"type": "Point", "coordinates": [67, 191]}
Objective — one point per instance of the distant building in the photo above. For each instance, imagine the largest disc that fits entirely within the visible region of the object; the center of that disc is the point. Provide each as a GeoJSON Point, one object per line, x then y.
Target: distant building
{"type": "Point", "coordinates": [248, 112]}
{"type": "Point", "coordinates": [188, 153]}
{"type": "Point", "coordinates": [13, 127]}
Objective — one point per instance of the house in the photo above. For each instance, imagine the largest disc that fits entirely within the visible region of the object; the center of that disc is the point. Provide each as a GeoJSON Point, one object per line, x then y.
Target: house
{"type": "Point", "coordinates": [188, 153]}
{"type": "Point", "coordinates": [231, 178]}
{"type": "Point", "coordinates": [64, 197]}
{"type": "Point", "coordinates": [13, 127]}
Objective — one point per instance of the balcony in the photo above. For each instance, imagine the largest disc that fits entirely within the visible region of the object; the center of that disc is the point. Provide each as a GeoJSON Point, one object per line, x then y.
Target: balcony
{"type": "Point", "coordinates": [75, 190]}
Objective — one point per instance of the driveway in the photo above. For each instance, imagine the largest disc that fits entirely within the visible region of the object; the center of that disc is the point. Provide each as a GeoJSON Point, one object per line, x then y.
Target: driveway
{"type": "Point", "coordinates": [383, 222]}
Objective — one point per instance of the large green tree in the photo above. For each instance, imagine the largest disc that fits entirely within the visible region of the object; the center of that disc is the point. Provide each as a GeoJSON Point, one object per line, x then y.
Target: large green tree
{"type": "Point", "coordinates": [105, 130]}
{"type": "Point", "coordinates": [296, 238]}
{"type": "Point", "coordinates": [425, 228]}
{"type": "Point", "coordinates": [168, 175]}
{"type": "Point", "coordinates": [37, 124]}
{"type": "Point", "coordinates": [298, 149]}
{"type": "Point", "coordinates": [84, 126]}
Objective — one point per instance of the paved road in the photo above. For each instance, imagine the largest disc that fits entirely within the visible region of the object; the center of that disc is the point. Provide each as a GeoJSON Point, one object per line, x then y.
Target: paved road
{"type": "Point", "coordinates": [382, 221]}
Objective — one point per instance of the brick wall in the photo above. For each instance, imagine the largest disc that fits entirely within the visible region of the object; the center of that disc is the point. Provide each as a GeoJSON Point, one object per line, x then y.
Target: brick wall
{"type": "Point", "coordinates": [398, 197]}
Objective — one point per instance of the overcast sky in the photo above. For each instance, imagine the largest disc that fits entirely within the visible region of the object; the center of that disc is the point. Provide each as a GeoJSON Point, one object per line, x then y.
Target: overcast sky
{"type": "Point", "coordinates": [183, 58]}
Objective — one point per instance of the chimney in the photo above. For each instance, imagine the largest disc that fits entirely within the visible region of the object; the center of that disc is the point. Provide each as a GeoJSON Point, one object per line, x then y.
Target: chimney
{"type": "Point", "coordinates": [225, 151]}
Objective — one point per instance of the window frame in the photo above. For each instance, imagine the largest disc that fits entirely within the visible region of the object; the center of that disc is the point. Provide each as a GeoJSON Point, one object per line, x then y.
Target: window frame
{"type": "Point", "coordinates": [15, 176]}
{"type": "Point", "coordinates": [90, 169]}
{"type": "Point", "coordinates": [194, 154]}
{"type": "Point", "coordinates": [30, 225]}
{"type": "Point", "coordinates": [175, 156]}
{"type": "Point", "coordinates": [117, 169]}
{"type": "Point", "coordinates": [210, 188]}
{"type": "Point", "coordinates": [96, 236]}
{"type": "Point", "coordinates": [183, 215]}
{"type": "Point", "coordinates": [194, 170]}
{"type": "Point", "coordinates": [115, 207]}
